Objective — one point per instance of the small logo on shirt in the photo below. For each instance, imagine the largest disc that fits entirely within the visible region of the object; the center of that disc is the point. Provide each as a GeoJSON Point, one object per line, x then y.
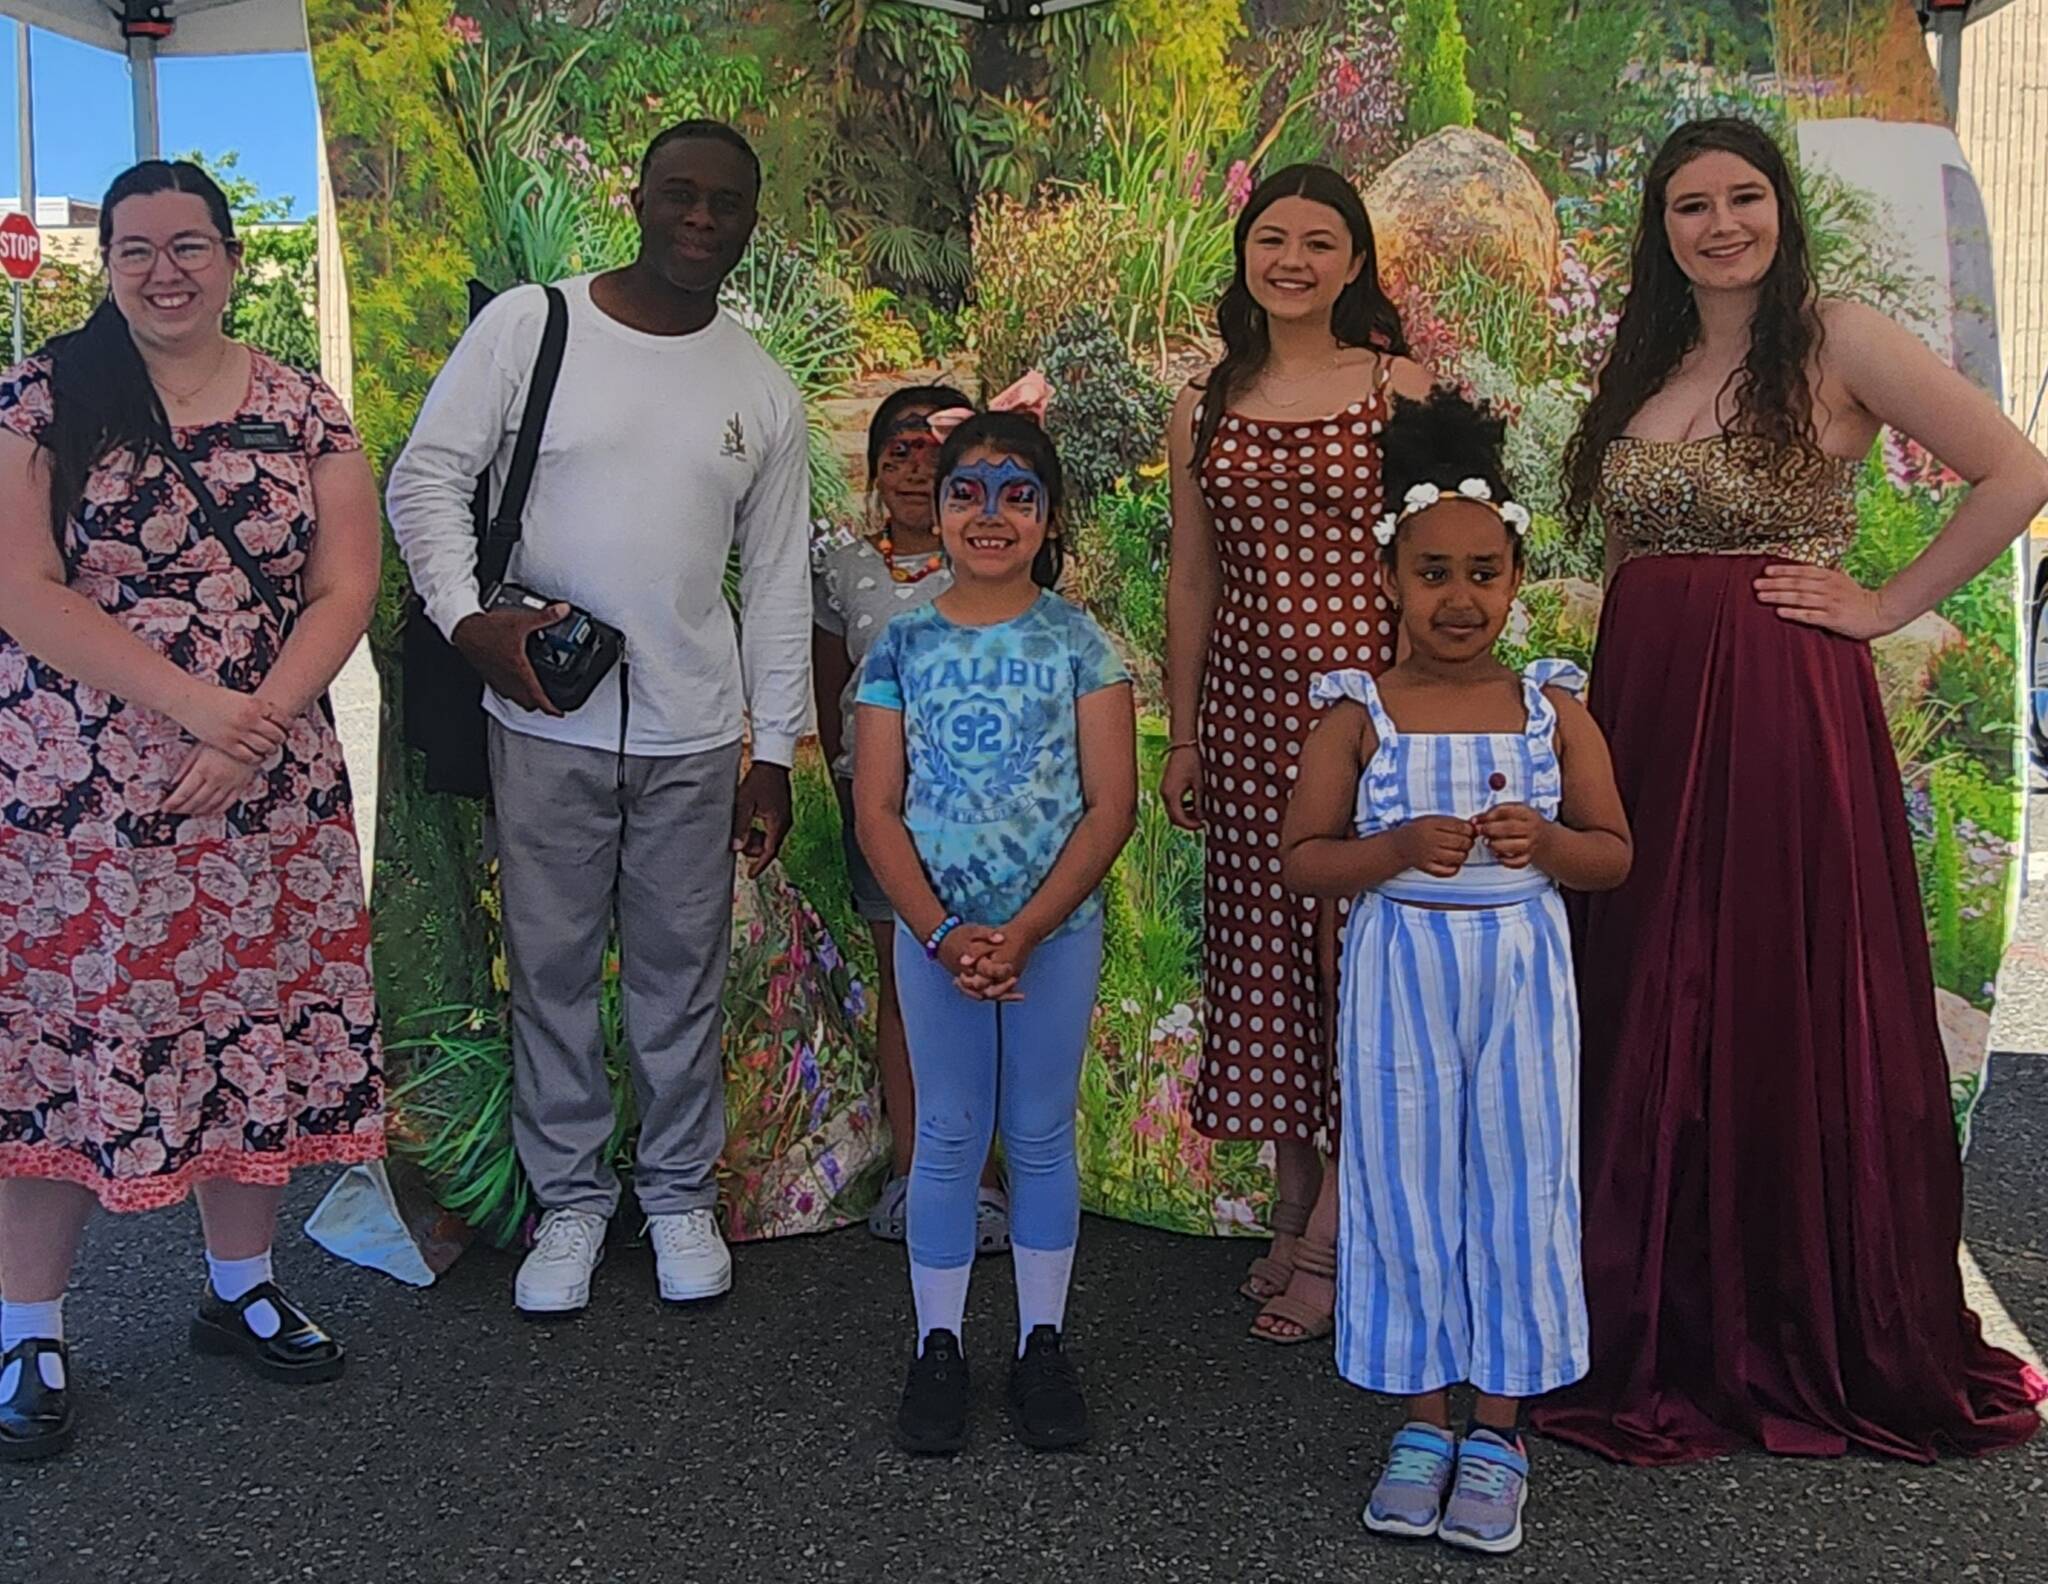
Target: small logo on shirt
{"type": "Point", "coordinates": [735, 438]}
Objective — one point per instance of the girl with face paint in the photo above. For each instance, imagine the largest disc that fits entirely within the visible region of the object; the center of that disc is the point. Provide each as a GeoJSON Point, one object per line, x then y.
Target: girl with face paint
{"type": "Point", "coordinates": [996, 783]}
{"type": "Point", "coordinates": [858, 586]}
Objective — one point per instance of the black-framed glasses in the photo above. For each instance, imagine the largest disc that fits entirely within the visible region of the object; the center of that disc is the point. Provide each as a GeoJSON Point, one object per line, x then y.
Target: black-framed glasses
{"type": "Point", "coordinates": [192, 252]}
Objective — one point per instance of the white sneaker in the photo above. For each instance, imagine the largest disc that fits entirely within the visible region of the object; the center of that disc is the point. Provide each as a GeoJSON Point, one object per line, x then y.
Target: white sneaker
{"type": "Point", "coordinates": [555, 1277]}
{"type": "Point", "coordinates": [689, 1256]}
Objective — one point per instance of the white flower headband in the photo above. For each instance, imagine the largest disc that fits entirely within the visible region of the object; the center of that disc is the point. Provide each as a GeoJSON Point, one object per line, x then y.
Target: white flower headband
{"type": "Point", "coordinates": [1421, 497]}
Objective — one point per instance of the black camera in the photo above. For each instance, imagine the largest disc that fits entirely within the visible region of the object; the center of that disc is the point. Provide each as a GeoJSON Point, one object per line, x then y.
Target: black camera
{"type": "Point", "coordinates": [571, 656]}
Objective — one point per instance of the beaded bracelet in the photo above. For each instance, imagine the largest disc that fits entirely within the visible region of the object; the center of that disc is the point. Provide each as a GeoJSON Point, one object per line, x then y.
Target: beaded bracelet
{"type": "Point", "coordinates": [951, 922]}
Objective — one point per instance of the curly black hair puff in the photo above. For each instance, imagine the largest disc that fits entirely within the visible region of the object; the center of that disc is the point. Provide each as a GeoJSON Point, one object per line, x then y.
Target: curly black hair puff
{"type": "Point", "coordinates": [1444, 440]}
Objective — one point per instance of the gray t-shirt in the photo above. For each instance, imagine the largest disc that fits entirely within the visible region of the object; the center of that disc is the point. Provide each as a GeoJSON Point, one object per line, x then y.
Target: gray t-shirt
{"type": "Point", "coordinates": [853, 596]}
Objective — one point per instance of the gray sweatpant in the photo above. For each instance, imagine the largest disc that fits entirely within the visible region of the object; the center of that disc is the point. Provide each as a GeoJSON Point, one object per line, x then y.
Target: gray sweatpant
{"type": "Point", "coordinates": [576, 846]}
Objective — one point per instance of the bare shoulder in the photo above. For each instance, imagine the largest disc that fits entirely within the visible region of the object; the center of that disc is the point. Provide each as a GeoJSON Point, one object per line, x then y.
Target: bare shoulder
{"type": "Point", "coordinates": [1406, 377]}
{"type": "Point", "coordinates": [1346, 726]}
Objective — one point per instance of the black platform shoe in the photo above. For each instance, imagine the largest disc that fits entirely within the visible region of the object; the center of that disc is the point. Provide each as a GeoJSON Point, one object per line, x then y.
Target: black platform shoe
{"type": "Point", "coordinates": [35, 1421]}
{"type": "Point", "coordinates": [300, 1353]}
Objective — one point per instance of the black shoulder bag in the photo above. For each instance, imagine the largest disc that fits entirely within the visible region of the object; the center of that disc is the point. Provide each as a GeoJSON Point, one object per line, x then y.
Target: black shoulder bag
{"type": "Point", "coordinates": [443, 696]}
{"type": "Point", "coordinates": [213, 518]}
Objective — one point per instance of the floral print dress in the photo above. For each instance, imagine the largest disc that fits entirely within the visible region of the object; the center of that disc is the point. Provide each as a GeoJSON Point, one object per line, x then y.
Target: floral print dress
{"type": "Point", "coordinates": [180, 998]}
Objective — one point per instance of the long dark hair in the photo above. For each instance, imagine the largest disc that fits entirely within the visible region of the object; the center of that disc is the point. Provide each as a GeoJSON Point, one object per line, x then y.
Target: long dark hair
{"type": "Point", "coordinates": [910, 398]}
{"type": "Point", "coordinates": [101, 399]}
{"type": "Point", "coordinates": [1444, 440]}
{"type": "Point", "coordinates": [1363, 315]}
{"type": "Point", "coordinates": [1014, 434]}
{"type": "Point", "coordinates": [1660, 320]}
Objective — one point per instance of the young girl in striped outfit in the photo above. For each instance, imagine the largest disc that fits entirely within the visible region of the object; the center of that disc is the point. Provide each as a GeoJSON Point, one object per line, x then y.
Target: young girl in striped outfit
{"type": "Point", "coordinates": [1452, 799]}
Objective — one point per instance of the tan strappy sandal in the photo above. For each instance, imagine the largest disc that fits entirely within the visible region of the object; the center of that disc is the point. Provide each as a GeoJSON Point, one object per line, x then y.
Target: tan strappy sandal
{"type": "Point", "coordinates": [1316, 1321]}
{"type": "Point", "coordinates": [1267, 1277]}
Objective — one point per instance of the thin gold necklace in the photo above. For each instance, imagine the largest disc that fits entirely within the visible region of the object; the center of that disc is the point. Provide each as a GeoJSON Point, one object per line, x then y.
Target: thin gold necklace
{"type": "Point", "coordinates": [175, 395]}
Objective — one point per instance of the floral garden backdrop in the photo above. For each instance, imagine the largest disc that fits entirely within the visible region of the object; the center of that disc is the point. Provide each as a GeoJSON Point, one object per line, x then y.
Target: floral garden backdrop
{"type": "Point", "coordinates": [948, 198]}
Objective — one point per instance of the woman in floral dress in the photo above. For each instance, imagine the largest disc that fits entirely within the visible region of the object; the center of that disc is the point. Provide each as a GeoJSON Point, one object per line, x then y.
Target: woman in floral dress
{"type": "Point", "coordinates": [185, 993]}
{"type": "Point", "coordinates": [1273, 577]}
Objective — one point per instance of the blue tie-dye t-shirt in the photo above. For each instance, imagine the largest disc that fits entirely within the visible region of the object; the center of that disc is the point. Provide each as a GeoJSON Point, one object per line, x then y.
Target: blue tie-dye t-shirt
{"type": "Point", "coordinates": [992, 744]}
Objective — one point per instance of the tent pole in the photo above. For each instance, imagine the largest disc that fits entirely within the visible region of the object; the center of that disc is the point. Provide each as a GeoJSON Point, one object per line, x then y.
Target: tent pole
{"type": "Point", "coordinates": [1948, 57]}
{"type": "Point", "coordinates": [142, 69]}
{"type": "Point", "coordinates": [24, 80]}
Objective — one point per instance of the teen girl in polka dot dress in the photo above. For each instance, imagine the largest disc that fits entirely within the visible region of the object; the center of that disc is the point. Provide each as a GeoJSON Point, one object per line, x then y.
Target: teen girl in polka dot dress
{"type": "Point", "coordinates": [1273, 579]}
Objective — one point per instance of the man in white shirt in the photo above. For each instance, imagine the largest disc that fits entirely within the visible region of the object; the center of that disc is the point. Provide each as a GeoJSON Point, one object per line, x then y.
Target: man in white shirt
{"type": "Point", "coordinates": [672, 438]}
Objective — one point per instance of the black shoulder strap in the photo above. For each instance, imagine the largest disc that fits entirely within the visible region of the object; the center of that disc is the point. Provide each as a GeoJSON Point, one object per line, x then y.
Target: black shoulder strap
{"type": "Point", "coordinates": [508, 521]}
{"type": "Point", "coordinates": [213, 518]}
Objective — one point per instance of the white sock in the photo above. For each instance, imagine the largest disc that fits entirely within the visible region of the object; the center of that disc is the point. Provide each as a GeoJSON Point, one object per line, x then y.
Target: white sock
{"type": "Point", "coordinates": [235, 1279]}
{"type": "Point", "coordinates": [1042, 1277]}
{"type": "Point", "coordinates": [21, 1321]}
{"type": "Point", "coordinates": [940, 1297]}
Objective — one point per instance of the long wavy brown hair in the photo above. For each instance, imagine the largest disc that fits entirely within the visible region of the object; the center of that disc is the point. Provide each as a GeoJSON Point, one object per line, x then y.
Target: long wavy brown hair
{"type": "Point", "coordinates": [1660, 320]}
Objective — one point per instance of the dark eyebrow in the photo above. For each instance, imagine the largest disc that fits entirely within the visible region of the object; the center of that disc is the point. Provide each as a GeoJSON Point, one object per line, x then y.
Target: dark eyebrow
{"type": "Point", "coordinates": [175, 236]}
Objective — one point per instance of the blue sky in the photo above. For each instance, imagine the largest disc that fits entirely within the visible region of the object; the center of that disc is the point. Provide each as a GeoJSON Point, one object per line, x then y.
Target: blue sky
{"type": "Point", "coordinates": [259, 106]}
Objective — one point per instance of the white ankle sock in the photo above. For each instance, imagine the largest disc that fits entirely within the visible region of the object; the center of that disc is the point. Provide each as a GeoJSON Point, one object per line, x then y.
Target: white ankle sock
{"type": "Point", "coordinates": [21, 1321]}
{"type": "Point", "coordinates": [1042, 1278]}
{"type": "Point", "coordinates": [234, 1279]}
{"type": "Point", "coordinates": [940, 1297]}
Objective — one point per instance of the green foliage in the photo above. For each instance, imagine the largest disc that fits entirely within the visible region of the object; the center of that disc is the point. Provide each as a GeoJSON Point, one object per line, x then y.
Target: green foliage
{"type": "Point", "coordinates": [805, 322]}
{"type": "Point", "coordinates": [59, 299]}
{"type": "Point", "coordinates": [1555, 66]}
{"type": "Point", "coordinates": [1037, 266]}
{"type": "Point", "coordinates": [1107, 415]}
{"type": "Point", "coordinates": [1433, 54]}
{"type": "Point", "coordinates": [1123, 565]}
{"type": "Point", "coordinates": [1172, 251]}
{"type": "Point", "coordinates": [1976, 686]}
{"type": "Point", "coordinates": [409, 208]}
{"type": "Point", "coordinates": [1540, 418]}
{"type": "Point", "coordinates": [885, 340]}
{"type": "Point", "coordinates": [1180, 50]}
{"type": "Point", "coordinates": [273, 303]}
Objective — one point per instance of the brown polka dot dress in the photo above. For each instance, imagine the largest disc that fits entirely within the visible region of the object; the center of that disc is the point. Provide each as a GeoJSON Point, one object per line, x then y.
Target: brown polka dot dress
{"type": "Point", "coordinates": [1293, 505]}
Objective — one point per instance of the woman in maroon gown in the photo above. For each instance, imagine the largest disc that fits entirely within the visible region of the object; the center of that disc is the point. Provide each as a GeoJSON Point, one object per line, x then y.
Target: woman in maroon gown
{"type": "Point", "coordinates": [1772, 1180]}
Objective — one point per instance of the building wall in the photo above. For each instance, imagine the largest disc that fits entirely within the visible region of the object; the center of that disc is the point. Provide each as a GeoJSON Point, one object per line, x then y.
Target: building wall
{"type": "Point", "coordinates": [2003, 124]}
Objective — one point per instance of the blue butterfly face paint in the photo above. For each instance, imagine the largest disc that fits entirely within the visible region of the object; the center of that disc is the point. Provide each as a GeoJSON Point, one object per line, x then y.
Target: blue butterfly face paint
{"type": "Point", "coordinates": [990, 488]}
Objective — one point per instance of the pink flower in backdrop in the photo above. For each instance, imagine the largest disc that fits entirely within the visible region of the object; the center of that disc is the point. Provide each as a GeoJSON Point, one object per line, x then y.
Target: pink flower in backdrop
{"type": "Point", "coordinates": [465, 30]}
{"type": "Point", "coordinates": [1237, 186]}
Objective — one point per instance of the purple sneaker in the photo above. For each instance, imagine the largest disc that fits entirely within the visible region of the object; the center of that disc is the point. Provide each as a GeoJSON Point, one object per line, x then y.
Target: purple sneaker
{"type": "Point", "coordinates": [1485, 1509]}
{"type": "Point", "coordinates": [1408, 1501]}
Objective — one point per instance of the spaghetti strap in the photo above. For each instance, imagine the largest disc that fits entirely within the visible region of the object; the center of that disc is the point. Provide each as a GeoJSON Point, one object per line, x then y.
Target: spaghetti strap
{"type": "Point", "coordinates": [1358, 686]}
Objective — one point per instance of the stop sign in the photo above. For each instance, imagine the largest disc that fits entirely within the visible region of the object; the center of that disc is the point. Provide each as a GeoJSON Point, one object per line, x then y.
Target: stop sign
{"type": "Point", "coordinates": [21, 247]}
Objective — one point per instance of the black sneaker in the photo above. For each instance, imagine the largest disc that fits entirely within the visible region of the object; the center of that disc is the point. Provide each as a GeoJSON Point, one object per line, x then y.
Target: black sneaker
{"type": "Point", "coordinates": [35, 1421]}
{"type": "Point", "coordinates": [1045, 1395]}
{"type": "Point", "coordinates": [933, 1416]}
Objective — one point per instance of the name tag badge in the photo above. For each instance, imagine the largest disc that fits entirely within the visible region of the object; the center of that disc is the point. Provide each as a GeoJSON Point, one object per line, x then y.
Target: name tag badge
{"type": "Point", "coordinates": [262, 437]}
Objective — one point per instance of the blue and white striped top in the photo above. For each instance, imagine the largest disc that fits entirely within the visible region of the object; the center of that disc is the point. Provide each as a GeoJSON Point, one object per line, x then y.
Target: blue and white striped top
{"type": "Point", "coordinates": [1414, 775]}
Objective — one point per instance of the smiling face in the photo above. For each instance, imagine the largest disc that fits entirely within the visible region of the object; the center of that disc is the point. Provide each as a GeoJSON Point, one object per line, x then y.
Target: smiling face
{"type": "Point", "coordinates": [169, 267]}
{"type": "Point", "coordinates": [696, 206]}
{"type": "Point", "coordinates": [992, 516]}
{"type": "Point", "coordinates": [1455, 577]}
{"type": "Point", "coordinates": [903, 471]}
{"type": "Point", "coordinates": [1298, 258]}
{"type": "Point", "coordinates": [1721, 220]}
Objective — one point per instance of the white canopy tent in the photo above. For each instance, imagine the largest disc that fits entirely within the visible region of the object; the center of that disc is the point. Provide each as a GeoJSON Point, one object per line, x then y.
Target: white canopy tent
{"type": "Point", "coordinates": [143, 30]}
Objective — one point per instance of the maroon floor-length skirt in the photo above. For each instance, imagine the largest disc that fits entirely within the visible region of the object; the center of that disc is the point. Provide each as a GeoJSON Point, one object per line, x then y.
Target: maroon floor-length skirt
{"type": "Point", "coordinates": [1772, 1185]}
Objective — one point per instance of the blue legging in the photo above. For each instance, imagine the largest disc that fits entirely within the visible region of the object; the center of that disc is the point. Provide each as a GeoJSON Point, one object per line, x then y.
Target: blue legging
{"type": "Point", "coordinates": [980, 1064]}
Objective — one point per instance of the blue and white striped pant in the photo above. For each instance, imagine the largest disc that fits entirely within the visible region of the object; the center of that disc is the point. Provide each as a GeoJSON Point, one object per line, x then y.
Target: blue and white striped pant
{"type": "Point", "coordinates": [1459, 1245]}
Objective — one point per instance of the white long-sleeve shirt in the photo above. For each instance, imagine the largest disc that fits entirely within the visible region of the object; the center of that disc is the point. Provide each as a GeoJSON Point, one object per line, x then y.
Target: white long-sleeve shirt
{"type": "Point", "coordinates": [661, 454]}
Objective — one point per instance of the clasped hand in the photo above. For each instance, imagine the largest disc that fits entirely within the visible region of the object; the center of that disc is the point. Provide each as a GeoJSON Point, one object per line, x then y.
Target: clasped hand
{"type": "Point", "coordinates": [238, 733]}
{"type": "Point", "coordinates": [1438, 845]}
{"type": "Point", "coordinates": [986, 962]}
